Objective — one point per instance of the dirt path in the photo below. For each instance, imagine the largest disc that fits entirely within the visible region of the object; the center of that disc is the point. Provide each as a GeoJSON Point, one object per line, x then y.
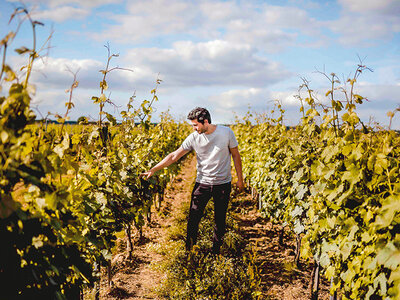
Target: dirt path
{"type": "Point", "coordinates": [137, 279]}
{"type": "Point", "coordinates": [281, 280]}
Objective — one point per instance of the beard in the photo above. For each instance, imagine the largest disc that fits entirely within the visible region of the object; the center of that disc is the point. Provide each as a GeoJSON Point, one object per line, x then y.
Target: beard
{"type": "Point", "coordinates": [201, 131]}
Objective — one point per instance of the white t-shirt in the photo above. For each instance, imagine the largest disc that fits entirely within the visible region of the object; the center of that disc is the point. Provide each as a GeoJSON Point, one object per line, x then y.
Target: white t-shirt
{"type": "Point", "coordinates": [213, 156]}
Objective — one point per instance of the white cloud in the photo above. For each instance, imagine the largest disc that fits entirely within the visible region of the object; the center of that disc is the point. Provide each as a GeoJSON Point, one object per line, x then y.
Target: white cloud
{"type": "Point", "coordinates": [56, 3]}
{"type": "Point", "coordinates": [90, 3]}
{"type": "Point", "coordinates": [361, 30]}
{"type": "Point", "coordinates": [269, 40]}
{"type": "Point", "coordinates": [366, 22]}
{"type": "Point", "coordinates": [63, 10]}
{"type": "Point", "coordinates": [290, 17]}
{"type": "Point", "coordinates": [53, 72]}
{"type": "Point", "coordinates": [384, 96]}
{"type": "Point", "coordinates": [218, 11]}
{"type": "Point", "coordinates": [387, 72]}
{"type": "Point", "coordinates": [234, 99]}
{"type": "Point", "coordinates": [258, 101]}
{"type": "Point", "coordinates": [286, 98]}
{"type": "Point", "coordinates": [267, 27]}
{"type": "Point", "coordinates": [211, 63]}
{"type": "Point", "coordinates": [145, 19]}
{"type": "Point", "coordinates": [61, 13]}
{"type": "Point", "coordinates": [387, 7]}
{"type": "Point", "coordinates": [53, 101]}
{"type": "Point", "coordinates": [271, 28]}
{"type": "Point", "coordinates": [256, 98]}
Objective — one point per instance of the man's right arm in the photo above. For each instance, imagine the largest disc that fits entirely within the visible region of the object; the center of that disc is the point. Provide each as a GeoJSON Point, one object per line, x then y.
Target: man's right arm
{"type": "Point", "coordinates": [168, 160]}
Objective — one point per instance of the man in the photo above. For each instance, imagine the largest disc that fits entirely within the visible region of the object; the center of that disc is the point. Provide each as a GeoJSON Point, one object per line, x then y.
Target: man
{"type": "Point", "coordinates": [214, 145]}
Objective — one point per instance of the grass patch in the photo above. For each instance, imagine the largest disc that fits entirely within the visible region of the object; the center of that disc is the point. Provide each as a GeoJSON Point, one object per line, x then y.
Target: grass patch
{"type": "Point", "coordinates": [199, 274]}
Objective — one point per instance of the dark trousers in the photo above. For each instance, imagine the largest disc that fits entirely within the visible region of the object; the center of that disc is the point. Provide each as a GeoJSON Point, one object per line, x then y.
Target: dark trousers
{"type": "Point", "coordinates": [201, 194]}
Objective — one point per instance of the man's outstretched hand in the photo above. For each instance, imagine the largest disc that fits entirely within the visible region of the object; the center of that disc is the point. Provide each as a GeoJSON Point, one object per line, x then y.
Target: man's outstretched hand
{"type": "Point", "coordinates": [147, 175]}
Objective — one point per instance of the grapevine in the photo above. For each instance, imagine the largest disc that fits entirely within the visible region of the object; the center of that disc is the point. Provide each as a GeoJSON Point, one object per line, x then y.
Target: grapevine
{"type": "Point", "coordinates": [335, 182]}
{"type": "Point", "coordinates": [65, 194]}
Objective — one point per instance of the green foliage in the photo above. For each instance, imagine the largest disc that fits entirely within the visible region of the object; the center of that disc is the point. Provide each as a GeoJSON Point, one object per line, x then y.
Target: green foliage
{"type": "Point", "coordinates": [82, 120]}
{"type": "Point", "coordinates": [36, 261]}
{"type": "Point", "coordinates": [41, 268]}
{"type": "Point", "coordinates": [66, 192]}
{"type": "Point", "coordinates": [335, 182]}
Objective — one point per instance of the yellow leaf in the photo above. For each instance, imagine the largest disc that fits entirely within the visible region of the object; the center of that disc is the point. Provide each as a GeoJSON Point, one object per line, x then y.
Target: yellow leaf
{"type": "Point", "coordinates": [352, 81]}
{"type": "Point", "coordinates": [103, 98]}
{"type": "Point", "coordinates": [8, 37]}
{"type": "Point", "coordinates": [4, 136]}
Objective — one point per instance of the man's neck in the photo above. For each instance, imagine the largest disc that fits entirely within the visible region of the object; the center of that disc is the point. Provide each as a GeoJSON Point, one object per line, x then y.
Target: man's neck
{"type": "Point", "coordinates": [211, 128]}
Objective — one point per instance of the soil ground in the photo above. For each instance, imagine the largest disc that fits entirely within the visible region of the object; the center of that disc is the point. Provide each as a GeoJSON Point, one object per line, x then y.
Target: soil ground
{"type": "Point", "coordinates": [137, 278]}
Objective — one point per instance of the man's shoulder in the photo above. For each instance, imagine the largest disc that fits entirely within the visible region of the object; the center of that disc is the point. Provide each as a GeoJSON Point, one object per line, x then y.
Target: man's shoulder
{"type": "Point", "coordinates": [224, 127]}
{"type": "Point", "coordinates": [189, 141]}
{"type": "Point", "coordinates": [192, 136]}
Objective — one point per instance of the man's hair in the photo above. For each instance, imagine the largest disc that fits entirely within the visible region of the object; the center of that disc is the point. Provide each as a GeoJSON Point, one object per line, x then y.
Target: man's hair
{"type": "Point", "coordinates": [200, 114]}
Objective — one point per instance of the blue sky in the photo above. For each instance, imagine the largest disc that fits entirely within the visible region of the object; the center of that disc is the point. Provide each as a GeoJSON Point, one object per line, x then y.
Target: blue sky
{"type": "Point", "coordinates": [223, 55]}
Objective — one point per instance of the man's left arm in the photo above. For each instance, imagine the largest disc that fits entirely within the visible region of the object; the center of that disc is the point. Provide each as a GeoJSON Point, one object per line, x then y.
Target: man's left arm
{"type": "Point", "coordinates": [238, 167]}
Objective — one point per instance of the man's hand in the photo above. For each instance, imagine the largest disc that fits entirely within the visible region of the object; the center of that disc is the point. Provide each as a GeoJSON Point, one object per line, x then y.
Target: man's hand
{"type": "Point", "coordinates": [240, 186]}
{"type": "Point", "coordinates": [147, 174]}
{"type": "Point", "coordinates": [169, 159]}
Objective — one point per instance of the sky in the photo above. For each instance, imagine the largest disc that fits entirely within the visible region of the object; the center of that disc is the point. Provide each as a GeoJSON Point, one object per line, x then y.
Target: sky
{"type": "Point", "coordinates": [228, 56]}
